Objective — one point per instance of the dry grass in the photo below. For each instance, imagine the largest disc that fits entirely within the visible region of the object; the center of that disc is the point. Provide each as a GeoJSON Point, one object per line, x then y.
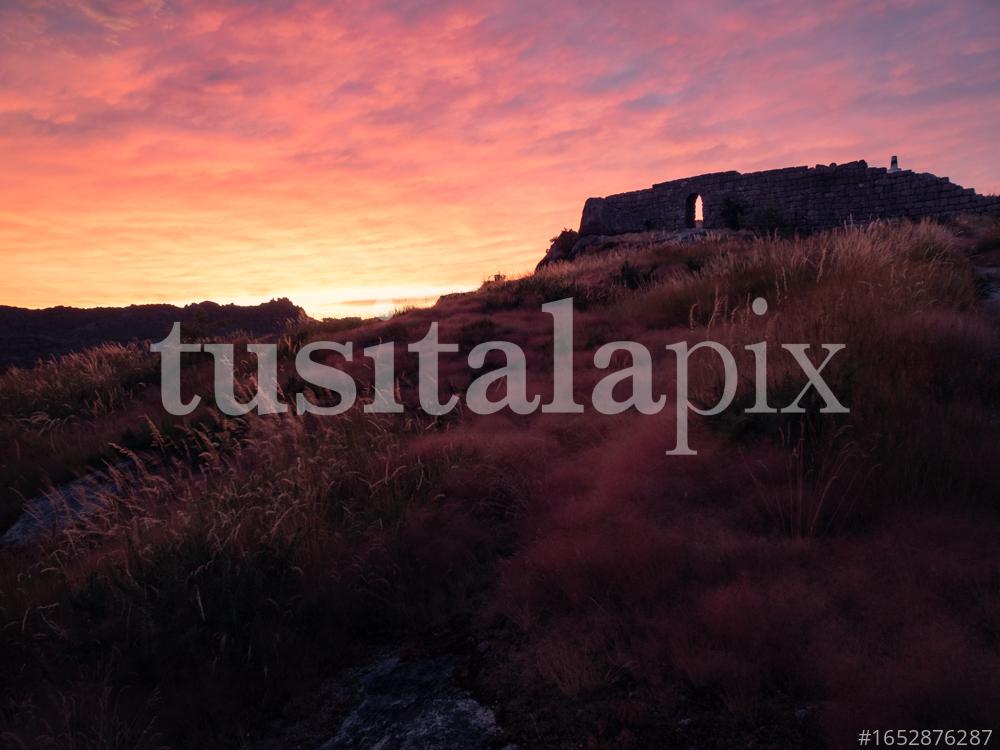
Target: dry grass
{"type": "Point", "coordinates": [888, 267]}
{"type": "Point", "coordinates": [216, 584]}
{"type": "Point", "coordinates": [80, 385]}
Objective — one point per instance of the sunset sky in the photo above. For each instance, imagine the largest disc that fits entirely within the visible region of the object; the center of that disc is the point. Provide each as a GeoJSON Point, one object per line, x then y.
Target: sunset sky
{"type": "Point", "coordinates": [351, 155]}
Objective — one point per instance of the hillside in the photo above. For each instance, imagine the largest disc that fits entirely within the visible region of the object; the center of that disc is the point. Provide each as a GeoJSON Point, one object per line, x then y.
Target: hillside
{"type": "Point", "coordinates": [232, 581]}
{"type": "Point", "coordinates": [27, 336]}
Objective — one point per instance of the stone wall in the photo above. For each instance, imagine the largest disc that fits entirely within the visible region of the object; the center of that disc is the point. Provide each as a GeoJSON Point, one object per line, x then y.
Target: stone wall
{"type": "Point", "coordinates": [801, 198]}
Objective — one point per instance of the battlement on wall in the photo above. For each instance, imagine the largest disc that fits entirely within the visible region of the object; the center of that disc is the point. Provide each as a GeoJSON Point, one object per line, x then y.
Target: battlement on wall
{"type": "Point", "coordinates": [801, 198]}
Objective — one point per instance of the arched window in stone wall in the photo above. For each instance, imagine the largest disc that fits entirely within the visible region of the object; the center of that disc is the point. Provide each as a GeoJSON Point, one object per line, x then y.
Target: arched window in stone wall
{"type": "Point", "coordinates": [694, 212]}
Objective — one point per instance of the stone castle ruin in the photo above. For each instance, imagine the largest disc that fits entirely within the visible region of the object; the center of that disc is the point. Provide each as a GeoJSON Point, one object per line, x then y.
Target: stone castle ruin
{"type": "Point", "coordinates": [802, 199]}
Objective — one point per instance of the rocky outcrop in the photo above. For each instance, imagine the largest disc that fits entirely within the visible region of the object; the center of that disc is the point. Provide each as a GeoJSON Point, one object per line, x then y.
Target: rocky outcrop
{"type": "Point", "coordinates": [415, 705]}
{"type": "Point", "coordinates": [411, 703]}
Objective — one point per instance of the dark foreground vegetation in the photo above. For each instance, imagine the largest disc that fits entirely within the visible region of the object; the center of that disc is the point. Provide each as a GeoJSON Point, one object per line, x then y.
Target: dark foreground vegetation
{"type": "Point", "coordinates": [802, 578]}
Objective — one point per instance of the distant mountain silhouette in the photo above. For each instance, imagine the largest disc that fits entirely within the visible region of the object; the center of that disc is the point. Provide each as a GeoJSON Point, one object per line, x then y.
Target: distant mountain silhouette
{"type": "Point", "coordinates": [29, 335]}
